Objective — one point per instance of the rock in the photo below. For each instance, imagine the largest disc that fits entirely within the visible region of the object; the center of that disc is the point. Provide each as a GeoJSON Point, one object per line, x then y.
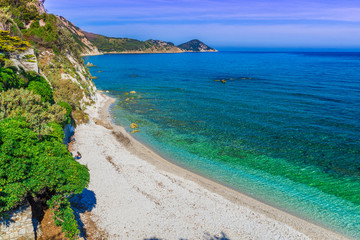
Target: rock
{"type": "Point", "coordinates": [26, 60]}
{"type": "Point", "coordinates": [134, 125]}
{"type": "Point", "coordinates": [89, 64]}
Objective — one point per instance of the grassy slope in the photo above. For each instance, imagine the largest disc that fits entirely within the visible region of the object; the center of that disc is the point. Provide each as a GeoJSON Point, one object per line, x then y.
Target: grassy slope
{"type": "Point", "coordinates": [109, 44]}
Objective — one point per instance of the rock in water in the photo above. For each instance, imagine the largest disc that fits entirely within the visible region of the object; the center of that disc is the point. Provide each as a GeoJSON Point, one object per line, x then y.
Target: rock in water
{"type": "Point", "coordinates": [133, 125]}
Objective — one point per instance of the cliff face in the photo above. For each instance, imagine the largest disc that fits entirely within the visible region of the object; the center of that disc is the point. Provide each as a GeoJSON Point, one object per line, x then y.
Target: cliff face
{"type": "Point", "coordinates": [57, 49]}
{"type": "Point", "coordinates": [87, 47]}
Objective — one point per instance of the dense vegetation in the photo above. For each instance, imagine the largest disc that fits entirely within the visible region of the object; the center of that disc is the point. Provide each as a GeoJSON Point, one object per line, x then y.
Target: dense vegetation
{"type": "Point", "coordinates": [109, 44]}
{"type": "Point", "coordinates": [34, 163]}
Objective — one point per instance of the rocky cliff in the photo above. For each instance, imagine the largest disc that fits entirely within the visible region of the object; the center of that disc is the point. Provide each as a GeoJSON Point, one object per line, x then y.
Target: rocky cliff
{"type": "Point", "coordinates": [57, 47]}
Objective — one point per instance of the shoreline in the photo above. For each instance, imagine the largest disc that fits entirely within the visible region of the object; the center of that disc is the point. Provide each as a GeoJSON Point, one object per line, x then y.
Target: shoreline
{"type": "Point", "coordinates": [302, 229]}
{"type": "Point", "coordinates": [130, 52]}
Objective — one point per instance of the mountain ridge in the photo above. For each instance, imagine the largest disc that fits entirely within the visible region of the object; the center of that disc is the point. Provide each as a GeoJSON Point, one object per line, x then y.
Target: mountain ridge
{"type": "Point", "coordinates": [107, 45]}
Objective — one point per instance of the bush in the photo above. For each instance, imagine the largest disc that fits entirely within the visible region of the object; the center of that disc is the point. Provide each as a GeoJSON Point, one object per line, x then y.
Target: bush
{"type": "Point", "coordinates": [12, 44]}
{"type": "Point", "coordinates": [68, 108]}
{"type": "Point", "coordinates": [40, 86]}
{"type": "Point", "coordinates": [43, 89]}
{"type": "Point", "coordinates": [9, 79]}
{"type": "Point", "coordinates": [38, 114]}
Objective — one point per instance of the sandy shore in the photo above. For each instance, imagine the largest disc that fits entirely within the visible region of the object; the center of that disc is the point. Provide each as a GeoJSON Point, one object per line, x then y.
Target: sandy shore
{"type": "Point", "coordinates": [139, 195]}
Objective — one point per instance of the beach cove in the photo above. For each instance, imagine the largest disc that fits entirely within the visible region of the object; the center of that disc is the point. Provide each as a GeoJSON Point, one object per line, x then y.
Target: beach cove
{"type": "Point", "coordinates": [139, 195]}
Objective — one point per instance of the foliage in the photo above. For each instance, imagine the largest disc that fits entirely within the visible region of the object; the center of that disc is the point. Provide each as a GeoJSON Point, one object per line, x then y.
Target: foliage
{"type": "Point", "coordinates": [23, 103]}
{"type": "Point", "coordinates": [55, 35]}
{"type": "Point", "coordinates": [67, 91]}
{"type": "Point", "coordinates": [9, 79]}
{"type": "Point", "coordinates": [80, 116]}
{"type": "Point", "coordinates": [57, 131]}
{"type": "Point", "coordinates": [47, 34]}
{"type": "Point", "coordinates": [68, 111]}
{"type": "Point", "coordinates": [20, 10]}
{"type": "Point", "coordinates": [40, 86]}
{"type": "Point", "coordinates": [107, 44]}
{"type": "Point", "coordinates": [29, 166]}
{"type": "Point", "coordinates": [64, 216]}
{"type": "Point", "coordinates": [12, 43]}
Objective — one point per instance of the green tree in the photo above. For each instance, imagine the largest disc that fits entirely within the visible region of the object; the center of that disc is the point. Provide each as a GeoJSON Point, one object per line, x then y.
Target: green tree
{"type": "Point", "coordinates": [12, 43]}
{"type": "Point", "coordinates": [31, 167]}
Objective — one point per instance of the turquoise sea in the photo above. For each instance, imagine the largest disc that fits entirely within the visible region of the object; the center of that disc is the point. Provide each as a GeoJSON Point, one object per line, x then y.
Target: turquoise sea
{"type": "Point", "coordinates": [284, 128]}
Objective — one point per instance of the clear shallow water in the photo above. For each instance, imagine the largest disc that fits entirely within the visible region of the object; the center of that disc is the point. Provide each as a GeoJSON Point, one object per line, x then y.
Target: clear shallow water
{"type": "Point", "coordinates": [284, 128]}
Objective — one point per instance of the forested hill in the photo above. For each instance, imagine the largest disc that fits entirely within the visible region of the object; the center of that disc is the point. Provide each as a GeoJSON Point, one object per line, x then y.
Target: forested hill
{"type": "Point", "coordinates": [196, 45]}
{"type": "Point", "coordinates": [128, 45]}
{"type": "Point", "coordinates": [113, 45]}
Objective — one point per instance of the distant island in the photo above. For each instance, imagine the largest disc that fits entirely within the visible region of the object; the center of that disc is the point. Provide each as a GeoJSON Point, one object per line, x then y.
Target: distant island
{"type": "Point", "coordinates": [128, 45]}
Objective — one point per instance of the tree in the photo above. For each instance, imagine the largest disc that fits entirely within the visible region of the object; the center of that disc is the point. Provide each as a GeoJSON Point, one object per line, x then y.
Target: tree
{"type": "Point", "coordinates": [12, 43]}
{"type": "Point", "coordinates": [39, 170]}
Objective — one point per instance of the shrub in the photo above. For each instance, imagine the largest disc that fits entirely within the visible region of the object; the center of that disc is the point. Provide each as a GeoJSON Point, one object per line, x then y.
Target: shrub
{"type": "Point", "coordinates": [38, 114]}
{"type": "Point", "coordinates": [68, 108]}
{"type": "Point", "coordinates": [12, 44]}
{"type": "Point", "coordinates": [9, 79]}
{"type": "Point", "coordinates": [43, 89]}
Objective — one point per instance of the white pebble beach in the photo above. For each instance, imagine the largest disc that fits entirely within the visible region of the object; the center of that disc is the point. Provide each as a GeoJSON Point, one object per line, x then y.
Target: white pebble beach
{"type": "Point", "coordinates": [140, 195]}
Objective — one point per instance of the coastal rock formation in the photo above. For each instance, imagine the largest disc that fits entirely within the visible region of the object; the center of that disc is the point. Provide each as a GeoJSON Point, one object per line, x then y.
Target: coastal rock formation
{"type": "Point", "coordinates": [25, 60]}
{"type": "Point", "coordinates": [196, 45]}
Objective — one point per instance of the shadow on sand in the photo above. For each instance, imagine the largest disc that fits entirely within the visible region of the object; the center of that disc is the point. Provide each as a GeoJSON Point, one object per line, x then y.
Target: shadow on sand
{"type": "Point", "coordinates": [82, 203]}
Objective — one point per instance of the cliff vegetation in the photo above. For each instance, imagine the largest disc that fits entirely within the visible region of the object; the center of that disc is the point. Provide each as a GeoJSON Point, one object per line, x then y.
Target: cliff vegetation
{"type": "Point", "coordinates": [43, 85]}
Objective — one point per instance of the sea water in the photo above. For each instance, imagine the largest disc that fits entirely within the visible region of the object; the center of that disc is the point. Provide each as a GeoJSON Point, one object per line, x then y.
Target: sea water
{"type": "Point", "coordinates": [283, 128]}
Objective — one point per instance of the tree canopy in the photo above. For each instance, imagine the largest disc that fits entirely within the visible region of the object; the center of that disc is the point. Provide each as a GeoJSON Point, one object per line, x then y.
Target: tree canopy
{"type": "Point", "coordinates": [12, 43]}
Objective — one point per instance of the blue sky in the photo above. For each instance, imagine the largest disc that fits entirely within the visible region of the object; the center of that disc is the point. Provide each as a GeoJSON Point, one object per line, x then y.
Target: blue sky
{"type": "Point", "coordinates": [221, 24]}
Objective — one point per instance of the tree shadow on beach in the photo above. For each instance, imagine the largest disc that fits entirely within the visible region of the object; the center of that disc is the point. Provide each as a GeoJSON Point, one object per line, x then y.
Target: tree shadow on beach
{"type": "Point", "coordinates": [82, 203]}
{"type": "Point", "coordinates": [207, 236]}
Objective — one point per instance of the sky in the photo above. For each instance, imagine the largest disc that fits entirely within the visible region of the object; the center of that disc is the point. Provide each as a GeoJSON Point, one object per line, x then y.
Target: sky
{"type": "Point", "coordinates": [244, 24]}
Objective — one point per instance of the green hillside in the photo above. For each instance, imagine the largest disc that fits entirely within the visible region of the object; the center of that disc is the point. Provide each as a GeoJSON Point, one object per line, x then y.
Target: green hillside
{"type": "Point", "coordinates": [110, 44]}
